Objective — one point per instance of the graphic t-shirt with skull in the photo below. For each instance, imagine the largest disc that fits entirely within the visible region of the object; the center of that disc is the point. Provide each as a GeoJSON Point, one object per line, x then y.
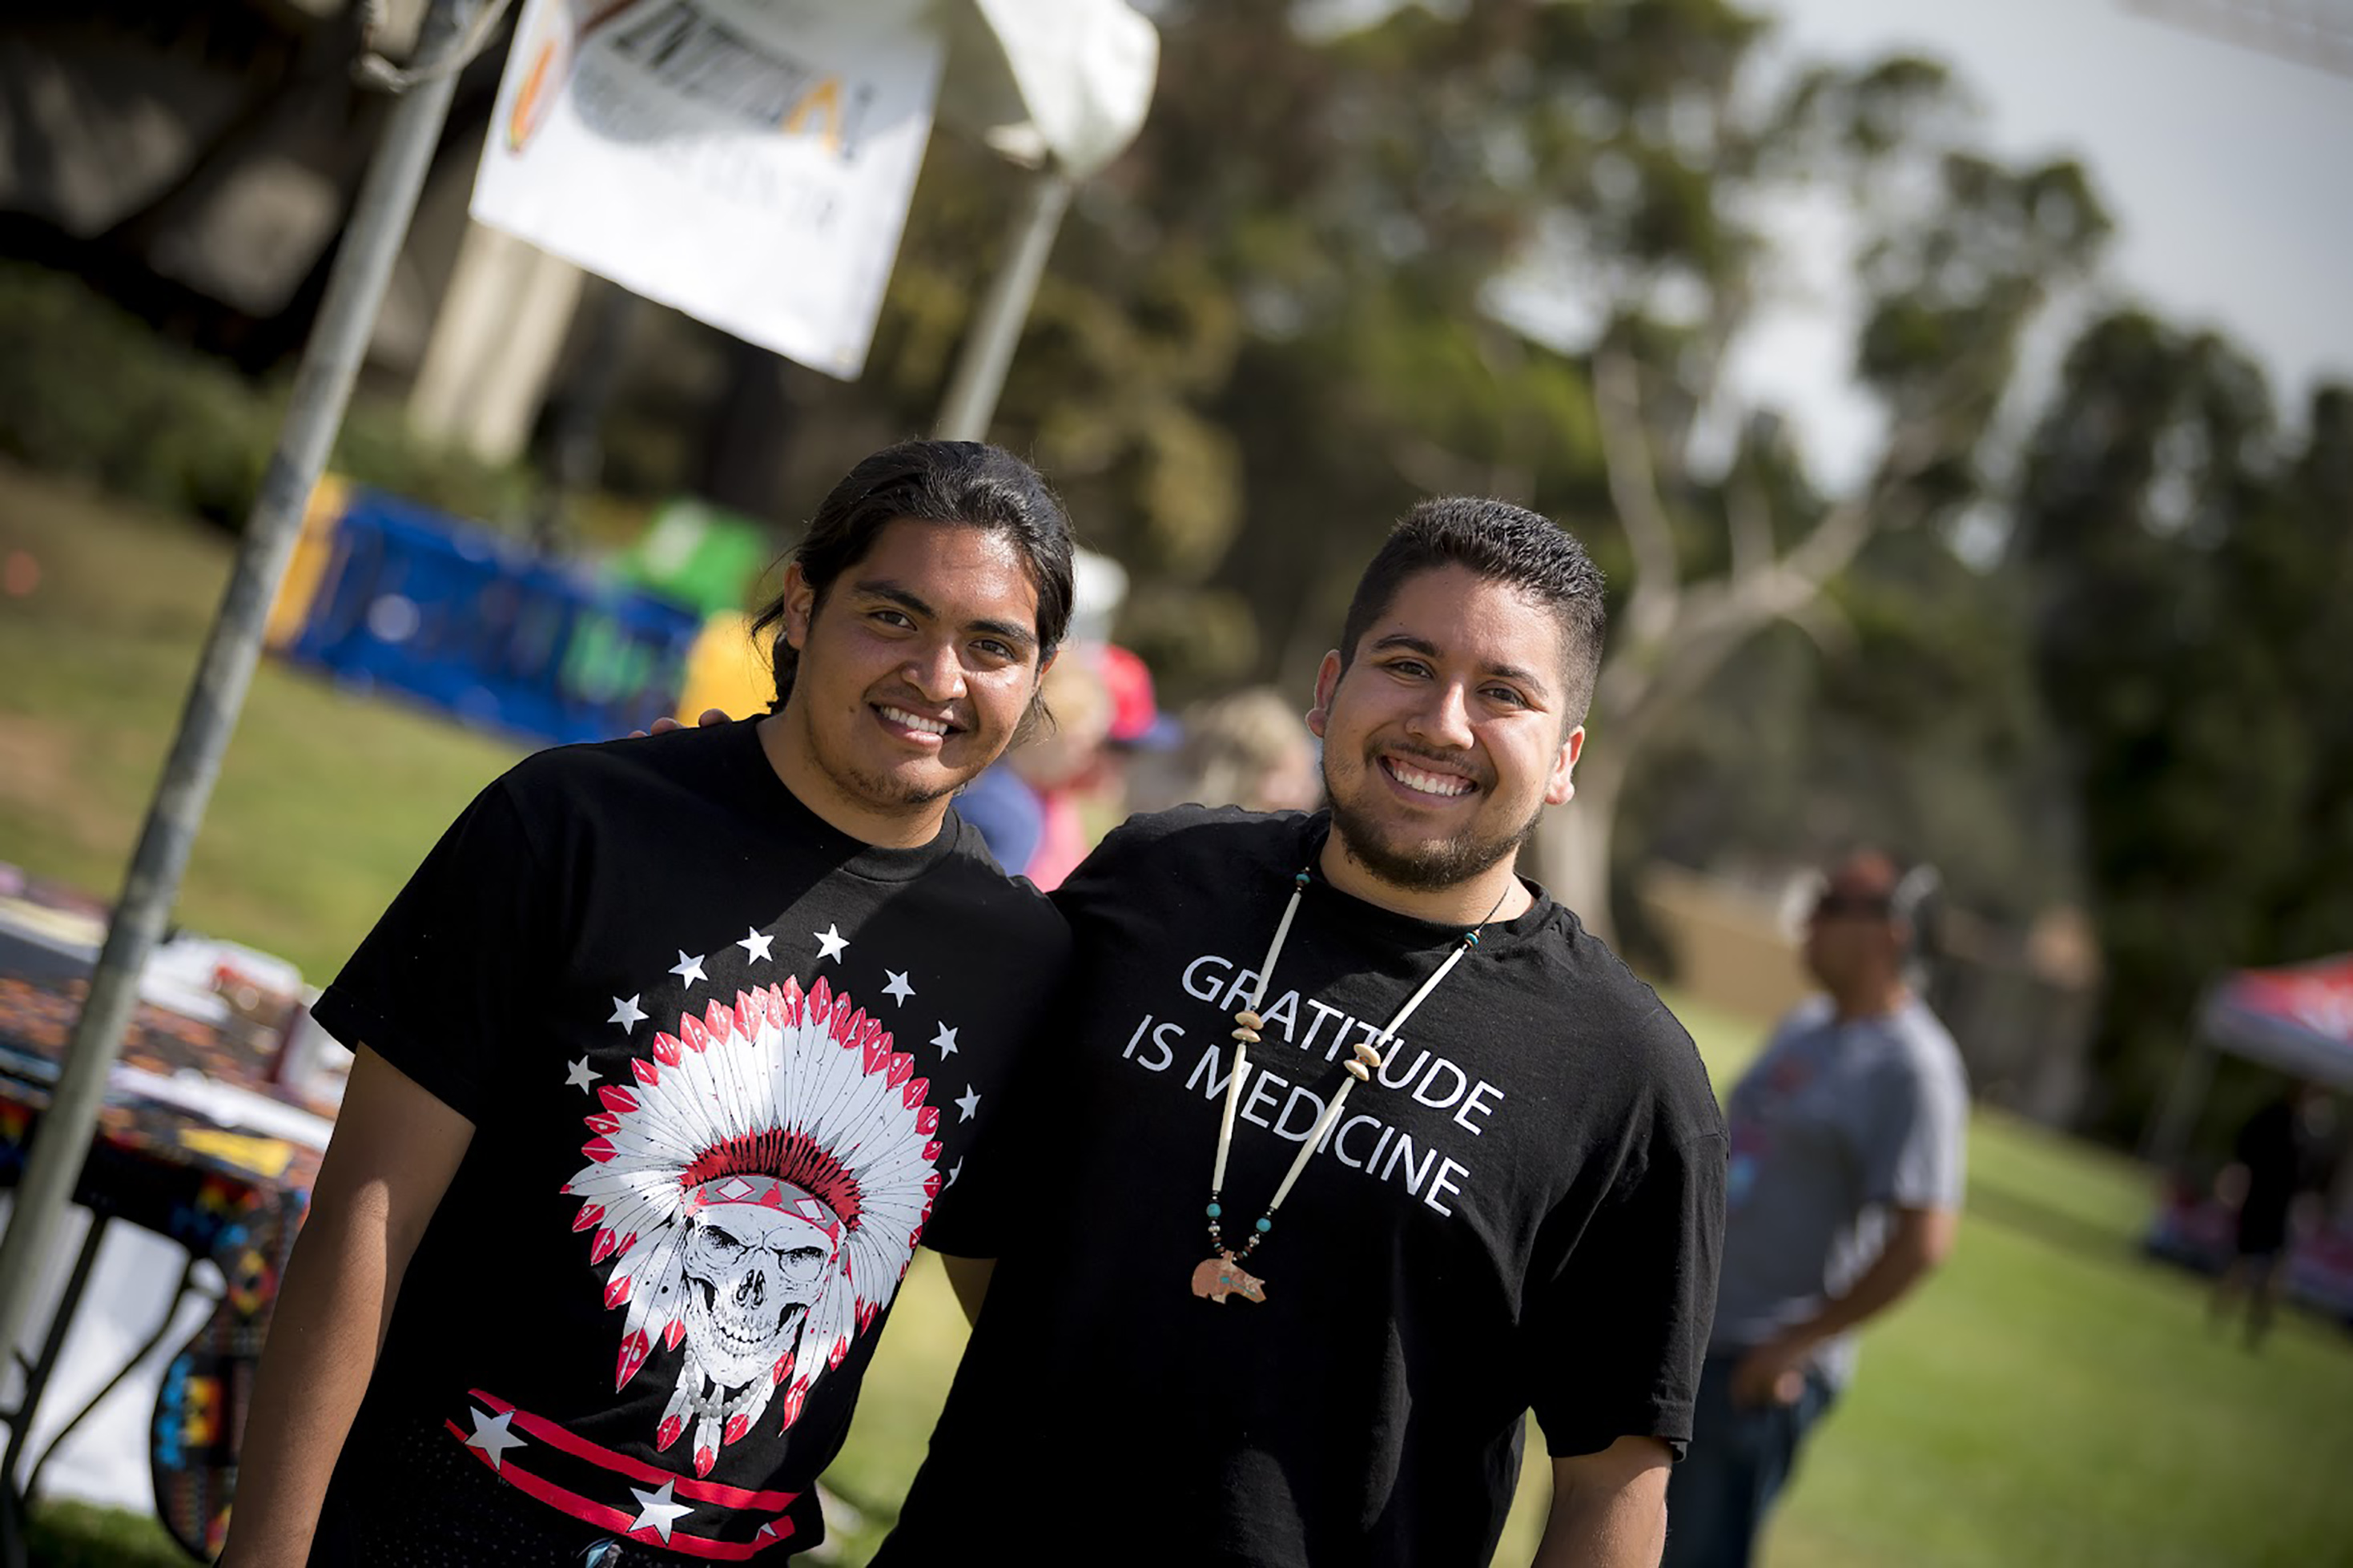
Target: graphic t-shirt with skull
{"type": "Point", "coordinates": [726, 1067]}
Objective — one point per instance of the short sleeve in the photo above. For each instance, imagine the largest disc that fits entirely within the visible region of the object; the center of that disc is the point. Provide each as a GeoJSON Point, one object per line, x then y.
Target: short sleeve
{"type": "Point", "coordinates": [1912, 1149]}
{"type": "Point", "coordinates": [1620, 1334]}
{"type": "Point", "coordinates": [434, 986]}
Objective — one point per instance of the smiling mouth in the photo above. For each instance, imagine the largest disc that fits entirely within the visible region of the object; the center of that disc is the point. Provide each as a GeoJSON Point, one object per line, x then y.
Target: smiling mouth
{"type": "Point", "coordinates": [900, 716]}
{"type": "Point", "coordinates": [1442, 786]}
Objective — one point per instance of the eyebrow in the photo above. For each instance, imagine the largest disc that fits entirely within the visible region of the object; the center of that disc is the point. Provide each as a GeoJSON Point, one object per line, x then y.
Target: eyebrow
{"type": "Point", "coordinates": [1429, 650]}
{"type": "Point", "coordinates": [1019, 635]}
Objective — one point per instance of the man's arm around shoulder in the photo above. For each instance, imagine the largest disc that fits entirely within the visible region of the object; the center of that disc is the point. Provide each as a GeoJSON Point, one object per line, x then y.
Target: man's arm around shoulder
{"type": "Point", "coordinates": [395, 1150]}
{"type": "Point", "coordinates": [1609, 1509]}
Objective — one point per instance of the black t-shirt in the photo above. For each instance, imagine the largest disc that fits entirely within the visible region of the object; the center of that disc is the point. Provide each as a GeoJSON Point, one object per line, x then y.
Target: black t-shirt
{"type": "Point", "coordinates": [1522, 1210]}
{"type": "Point", "coordinates": [725, 1066]}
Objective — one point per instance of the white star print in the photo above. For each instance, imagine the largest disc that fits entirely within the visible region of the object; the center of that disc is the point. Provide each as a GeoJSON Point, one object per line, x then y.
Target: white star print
{"type": "Point", "coordinates": [659, 1509]}
{"type": "Point", "coordinates": [755, 944]}
{"type": "Point", "coordinates": [967, 1102]}
{"type": "Point", "coordinates": [830, 943]}
{"type": "Point", "coordinates": [898, 987]}
{"type": "Point", "coordinates": [688, 969]}
{"type": "Point", "coordinates": [627, 1014]}
{"type": "Point", "coordinates": [945, 1040]}
{"type": "Point", "coordinates": [954, 1172]}
{"type": "Point", "coordinates": [492, 1435]}
{"type": "Point", "coordinates": [580, 1078]}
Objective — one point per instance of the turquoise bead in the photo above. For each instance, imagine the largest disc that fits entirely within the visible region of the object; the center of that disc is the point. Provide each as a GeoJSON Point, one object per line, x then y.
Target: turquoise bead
{"type": "Point", "coordinates": [1264, 1226]}
{"type": "Point", "coordinates": [1215, 1210]}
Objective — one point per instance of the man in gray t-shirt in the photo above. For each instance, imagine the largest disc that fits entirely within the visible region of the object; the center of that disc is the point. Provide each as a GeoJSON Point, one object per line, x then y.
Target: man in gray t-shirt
{"type": "Point", "coordinates": [1844, 1189]}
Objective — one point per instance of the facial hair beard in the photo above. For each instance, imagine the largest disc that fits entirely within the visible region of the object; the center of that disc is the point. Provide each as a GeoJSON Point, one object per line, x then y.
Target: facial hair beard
{"type": "Point", "coordinates": [1424, 867]}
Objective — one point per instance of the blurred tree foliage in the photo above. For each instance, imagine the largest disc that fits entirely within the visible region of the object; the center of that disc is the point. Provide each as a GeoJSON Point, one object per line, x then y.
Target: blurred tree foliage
{"type": "Point", "coordinates": [1289, 313]}
{"type": "Point", "coordinates": [2190, 564]}
{"type": "Point", "coordinates": [87, 388]}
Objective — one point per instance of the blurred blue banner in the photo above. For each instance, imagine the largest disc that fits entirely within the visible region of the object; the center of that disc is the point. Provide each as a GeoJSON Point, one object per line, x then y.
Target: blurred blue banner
{"type": "Point", "coordinates": [475, 623]}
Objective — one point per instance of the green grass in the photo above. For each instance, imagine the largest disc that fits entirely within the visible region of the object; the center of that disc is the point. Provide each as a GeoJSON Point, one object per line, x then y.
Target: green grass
{"type": "Point", "coordinates": [99, 656]}
{"type": "Point", "coordinates": [72, 1534]}
{"type": "Point", "coordinates": [2049, 1399]}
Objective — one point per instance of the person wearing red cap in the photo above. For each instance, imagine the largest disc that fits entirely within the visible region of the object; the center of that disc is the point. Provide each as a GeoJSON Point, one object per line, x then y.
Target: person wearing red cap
{"type": "Point", "coordinates": [1034, 807]}
{"type": "Point", "coordinates": [1136, 721]}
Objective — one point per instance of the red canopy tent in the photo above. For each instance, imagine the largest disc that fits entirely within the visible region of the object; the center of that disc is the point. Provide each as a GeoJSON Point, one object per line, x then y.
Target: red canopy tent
{"type": "Point", "coordinates": [2298, 1019]}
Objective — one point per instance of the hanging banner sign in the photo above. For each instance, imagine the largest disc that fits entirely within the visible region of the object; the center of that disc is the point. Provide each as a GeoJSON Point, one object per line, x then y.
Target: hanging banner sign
{"type": "Point", "coordinates": [747, 161]}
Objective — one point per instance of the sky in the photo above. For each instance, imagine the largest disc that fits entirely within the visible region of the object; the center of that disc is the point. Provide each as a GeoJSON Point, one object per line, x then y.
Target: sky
{"type": "Point", "coordinates": [2229, 173]}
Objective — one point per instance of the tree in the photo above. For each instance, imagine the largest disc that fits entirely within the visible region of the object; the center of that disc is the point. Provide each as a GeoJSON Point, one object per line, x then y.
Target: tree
{"type": "Point", "coordinates": [1286, 315]}
{"type": "Point", "coordinates": [1298, 305]}
{"type": "Point", "coordinates": [1950, 284]}
{"type": "Point", "coordinates": [2191, 564]}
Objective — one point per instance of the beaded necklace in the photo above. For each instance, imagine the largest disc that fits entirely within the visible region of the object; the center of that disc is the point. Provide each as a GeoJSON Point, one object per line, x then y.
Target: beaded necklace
{"type": "Point", "coordinates": [1223, 1274]}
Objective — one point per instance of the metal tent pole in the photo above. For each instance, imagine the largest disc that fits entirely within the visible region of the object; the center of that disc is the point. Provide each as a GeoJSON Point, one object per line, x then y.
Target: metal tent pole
{"type": "Point", "coordinates": [322, 388]}
{"type": "Point", "coordinates": [996, 331]}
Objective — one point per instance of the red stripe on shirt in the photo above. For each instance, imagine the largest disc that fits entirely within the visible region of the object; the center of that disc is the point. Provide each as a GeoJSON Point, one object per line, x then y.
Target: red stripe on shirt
{"type": "Point", "coordinates": [618, 1519]}
{"type": "Point", "coordinates": [557, 1436]}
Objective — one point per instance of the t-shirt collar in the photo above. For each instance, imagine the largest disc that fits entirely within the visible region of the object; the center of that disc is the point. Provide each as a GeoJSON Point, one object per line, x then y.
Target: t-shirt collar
{"type": "Point", "coordinates": [873, 862]}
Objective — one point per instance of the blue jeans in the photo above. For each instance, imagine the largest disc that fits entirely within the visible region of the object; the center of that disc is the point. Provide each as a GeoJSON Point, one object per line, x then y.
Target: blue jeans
{"type": "Point", "coordinates": [1718, 1496]}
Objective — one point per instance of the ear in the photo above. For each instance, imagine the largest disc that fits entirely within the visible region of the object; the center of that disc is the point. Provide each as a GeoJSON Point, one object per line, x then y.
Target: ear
{"type": "Point", "coordinates": [1327, 681]}
{"type": "Point", "coordinates": [800, 607]}
{"type": "Point", "coordinates": [1559, 787]}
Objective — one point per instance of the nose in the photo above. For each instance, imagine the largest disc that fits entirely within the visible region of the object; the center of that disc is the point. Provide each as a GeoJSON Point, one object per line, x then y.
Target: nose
{"type": "Point", "coordinates": [1443, 717]}
{"type": "Point", "coordinates": [935, 672]}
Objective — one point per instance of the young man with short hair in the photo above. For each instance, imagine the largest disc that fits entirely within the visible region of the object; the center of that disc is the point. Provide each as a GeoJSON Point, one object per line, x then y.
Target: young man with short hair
{"type": "Point", "coordinates": [1358, 1145]}
{"type": "Point", "coordinates": [667, 1058]}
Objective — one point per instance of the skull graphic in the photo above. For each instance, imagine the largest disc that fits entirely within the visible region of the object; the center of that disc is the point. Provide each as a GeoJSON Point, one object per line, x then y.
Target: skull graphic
{"type": "Point", "coordinates": [759, 1184]}
{"type": "Point", "coordinates": [755, 1260]}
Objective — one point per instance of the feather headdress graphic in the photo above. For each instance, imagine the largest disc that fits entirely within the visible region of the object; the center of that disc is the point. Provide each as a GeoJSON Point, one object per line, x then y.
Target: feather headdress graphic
{"type": "Point", "coordinates": [759, 1189]}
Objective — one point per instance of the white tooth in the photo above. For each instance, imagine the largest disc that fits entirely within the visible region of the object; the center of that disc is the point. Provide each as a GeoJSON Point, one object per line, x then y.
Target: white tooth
{"type": "Point", "coordinates": [1428, 784]}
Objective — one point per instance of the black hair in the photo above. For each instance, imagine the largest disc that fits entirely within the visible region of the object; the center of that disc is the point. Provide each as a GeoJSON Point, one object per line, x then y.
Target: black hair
{"type": "Point", "coordinates": [1502, 543]}
{"type": "Point", "coordinates": [966, 483]}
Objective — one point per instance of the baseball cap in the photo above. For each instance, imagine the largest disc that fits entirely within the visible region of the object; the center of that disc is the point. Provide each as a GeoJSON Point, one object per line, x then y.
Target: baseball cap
{"type": "Point", "coordinates": [1136, 721]}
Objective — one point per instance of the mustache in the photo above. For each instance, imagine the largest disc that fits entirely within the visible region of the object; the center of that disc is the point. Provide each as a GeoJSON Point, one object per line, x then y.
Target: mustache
{"type": "Point", "coordinates": [957, 717]}
{"type": "Point", "coordinates": [1463, 763]}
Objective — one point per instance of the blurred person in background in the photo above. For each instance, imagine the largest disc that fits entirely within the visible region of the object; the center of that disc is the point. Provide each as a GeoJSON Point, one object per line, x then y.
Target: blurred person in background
{"type": "Point", "coordinates": [1246, 749]}
{"type": "Point", "coordinates": [498, 1343]}
{"type": "Point", "coordinates": [2279, 1166]}
{"type": "Point", "coordinates": [1044, 805]}
{"type": "Point", "coordinates": [1843, 1193]}
{"type": "Point", "coordinates": [1025, 803]}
